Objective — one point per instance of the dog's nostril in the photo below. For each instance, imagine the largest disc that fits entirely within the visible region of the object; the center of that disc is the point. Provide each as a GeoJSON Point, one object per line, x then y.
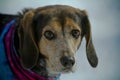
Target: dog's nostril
{"type": "Point", "coordinates": [67, 61]}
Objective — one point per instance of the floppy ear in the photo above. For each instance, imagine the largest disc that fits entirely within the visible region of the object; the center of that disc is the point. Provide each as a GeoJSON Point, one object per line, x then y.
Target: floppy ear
{"type": "Point", "coordinates": [90, 50]}
{"type": "Point", "coordinates": [28, 49]}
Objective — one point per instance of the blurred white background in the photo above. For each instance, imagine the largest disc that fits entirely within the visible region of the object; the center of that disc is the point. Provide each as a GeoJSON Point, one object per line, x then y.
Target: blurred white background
{"type": "Point", "coordinates": [104, 16]}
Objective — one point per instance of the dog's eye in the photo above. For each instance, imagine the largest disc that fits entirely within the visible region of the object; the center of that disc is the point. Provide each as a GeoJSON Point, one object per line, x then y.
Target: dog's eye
{"type": "Point", "coordinates": [49, 35]}
{"type": "Point", "coordinates": [75, 33]}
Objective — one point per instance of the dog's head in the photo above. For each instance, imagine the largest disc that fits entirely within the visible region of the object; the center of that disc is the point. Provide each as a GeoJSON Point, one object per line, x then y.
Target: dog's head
{"type": "Point", "coordinates": [55, 33]}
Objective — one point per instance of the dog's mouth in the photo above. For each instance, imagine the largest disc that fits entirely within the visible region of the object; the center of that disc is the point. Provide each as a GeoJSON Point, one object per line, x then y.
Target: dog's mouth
{"type": "Point", "coordinates": [67, 70]}
{"type": "Point", "coordinates": [59, 66]}
{"type": "Point", "coordinates": [63, 70]}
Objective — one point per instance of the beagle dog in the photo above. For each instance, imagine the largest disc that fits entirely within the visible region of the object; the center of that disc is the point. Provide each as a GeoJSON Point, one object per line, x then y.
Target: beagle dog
{"type": "Point", "coordinates": [46, 39]}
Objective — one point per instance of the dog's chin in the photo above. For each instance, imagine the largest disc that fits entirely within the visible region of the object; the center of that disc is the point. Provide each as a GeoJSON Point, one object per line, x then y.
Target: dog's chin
{"type": "Point", "coordinates": [53, 74]}
{"type": "Point", "coordinates": [67, 70]}
{"type": "Point", "coordinates": [62, 71]}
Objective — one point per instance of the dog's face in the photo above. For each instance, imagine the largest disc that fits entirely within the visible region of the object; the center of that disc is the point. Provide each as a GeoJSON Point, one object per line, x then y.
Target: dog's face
{"type": "Point", "coordinates": [59, 44]}
{"type": "Point", "coordinates": [56, 33]}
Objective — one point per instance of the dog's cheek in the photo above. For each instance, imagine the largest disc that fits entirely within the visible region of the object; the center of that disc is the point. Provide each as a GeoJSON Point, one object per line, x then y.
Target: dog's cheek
{"type": "Point", "coordinates": [77, 43]}
{"type": "Point", "coordinates": [53, 65]}
{"type": "Point", "coordinates": [43, 47]}
{"type": "Point", "coordinates": [73, 45]}
{"type": "Point", "coordinates": [54, 60]}
{"type": "Point", "coordinates": [48, 49]}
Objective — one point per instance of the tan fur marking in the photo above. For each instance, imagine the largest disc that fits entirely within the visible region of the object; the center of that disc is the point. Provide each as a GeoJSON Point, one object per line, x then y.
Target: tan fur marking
{"type": "Point", "coordinates": [54, 49]}
{"type": "Point", "coordinates": [64, 44]}
{"type": "Point", "coordinates": [70, 25]}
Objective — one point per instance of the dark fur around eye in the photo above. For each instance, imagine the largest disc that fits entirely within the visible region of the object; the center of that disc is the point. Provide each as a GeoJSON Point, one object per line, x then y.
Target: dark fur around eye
{"type": "Point", "coordinates": [49, 35]}
{"type": "Point", "coordinates": [75, 33]}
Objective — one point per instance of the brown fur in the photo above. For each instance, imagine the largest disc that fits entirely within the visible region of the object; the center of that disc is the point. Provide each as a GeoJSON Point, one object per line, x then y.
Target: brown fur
{"type": "Point", "coordinates": [61, 20]}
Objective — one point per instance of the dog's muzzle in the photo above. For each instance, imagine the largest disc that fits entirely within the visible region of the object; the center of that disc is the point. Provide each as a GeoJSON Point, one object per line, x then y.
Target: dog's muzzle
{"type": "Point", "coordinates": [67, 62]}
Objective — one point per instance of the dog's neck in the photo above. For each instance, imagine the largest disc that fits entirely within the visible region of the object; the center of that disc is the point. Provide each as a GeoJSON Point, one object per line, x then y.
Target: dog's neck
{"type": "Point", "coordinates": [40, 67]}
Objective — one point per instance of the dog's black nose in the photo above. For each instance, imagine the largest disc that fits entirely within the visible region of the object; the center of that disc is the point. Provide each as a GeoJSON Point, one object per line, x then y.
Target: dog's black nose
{"type": "Point", "coordinates": [67, 61]}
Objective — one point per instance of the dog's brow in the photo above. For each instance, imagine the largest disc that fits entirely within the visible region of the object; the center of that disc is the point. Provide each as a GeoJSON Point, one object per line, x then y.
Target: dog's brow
{"type": "Point", "coordinates": [72, 16]}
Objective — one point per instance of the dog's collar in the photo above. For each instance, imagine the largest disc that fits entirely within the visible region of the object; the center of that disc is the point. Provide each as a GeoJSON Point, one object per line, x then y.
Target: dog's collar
{"type": "Point", "coordinates": [14, 59]}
